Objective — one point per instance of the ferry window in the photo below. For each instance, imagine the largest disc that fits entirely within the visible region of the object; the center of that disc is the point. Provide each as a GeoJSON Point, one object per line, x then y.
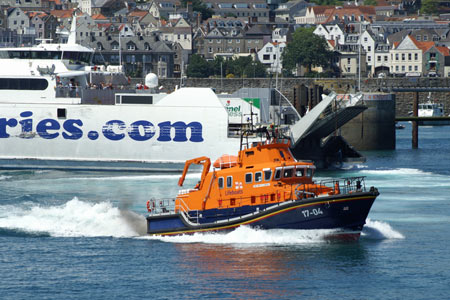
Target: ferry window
{"type": "Point", "coordinates": [258, 176]}
{"type": "Point", "coordinates": [23, 84]}
{"type": "Point", "coordinates": [220, 182]}
{"type": "Point", "coordinates": [229, 181]}
{"type": "Point", "coordinates": [309, 172]}
{"type": "Point", "coordinates": [299, 172]}
{"type": "Point", "coordinates": [277, 174]}
{"type": "Point", "coordinates": [248, 178]}
{"type": "Point", "coordinates": [267, 175]}
{"type": "Point", "coordinates": [288, 172]}
{"type": "Point", "coordinates": [61, 113]}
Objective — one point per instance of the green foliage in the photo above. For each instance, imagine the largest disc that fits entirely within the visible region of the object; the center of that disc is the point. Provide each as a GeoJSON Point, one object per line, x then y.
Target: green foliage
{"type": "Point", "coordinates": [219, 67]}
{"type": "Point", "coordinates": [306, 49]}
{"type": "Point", "coordinates": [198, 67]}
{"type": "Point", "coordinates": [370, 2]}
{"type": "Point", "coordinates": [327, 2]}
{"type": "Point", "coordinates": [199, 6]}
{"type": "Point", "coordinates": [429, 7]}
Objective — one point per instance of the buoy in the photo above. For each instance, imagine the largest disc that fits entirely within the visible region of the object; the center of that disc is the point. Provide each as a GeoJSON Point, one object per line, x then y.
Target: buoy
{"type": "Point", "coordinates": [148, 206]}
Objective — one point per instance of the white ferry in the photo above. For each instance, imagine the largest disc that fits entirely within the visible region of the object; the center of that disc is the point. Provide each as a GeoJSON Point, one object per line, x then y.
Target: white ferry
{"type": "Point", "coordinates": [46, 122]}
{"type": "Point", "coordinates": [52, 118]}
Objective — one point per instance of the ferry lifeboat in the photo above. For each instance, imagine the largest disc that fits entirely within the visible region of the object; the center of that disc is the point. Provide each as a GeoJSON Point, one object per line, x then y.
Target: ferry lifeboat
{"type": "Point", "coordinates": [263, 187]}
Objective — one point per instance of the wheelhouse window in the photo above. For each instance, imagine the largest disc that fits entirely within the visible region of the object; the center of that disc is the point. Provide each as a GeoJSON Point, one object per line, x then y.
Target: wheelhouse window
{"type": "Point", "coordinates": [299, 172]}
{"type": "Point", "coordinates": [277, 174]}
{"type": "Point", "coordinates": [229, 181]}
{"type": "Point", "coordinates": [288, 172]}
{"type": "Point", "coordinates": [220, 181]}
{"type": "Point", "coordinates": [267, 175]}
{"type": "Point", "coordinates": [249, 178]}
{"type": "Point", "coordinates": [258, 176]}
{"type": "Point", "coordinates": [309, 172]}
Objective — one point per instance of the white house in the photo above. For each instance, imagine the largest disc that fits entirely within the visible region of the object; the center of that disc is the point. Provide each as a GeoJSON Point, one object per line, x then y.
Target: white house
{"type": "Point", "coordinates": [270, 55]}
{"type": "Point", "coordinates": [333, 32]}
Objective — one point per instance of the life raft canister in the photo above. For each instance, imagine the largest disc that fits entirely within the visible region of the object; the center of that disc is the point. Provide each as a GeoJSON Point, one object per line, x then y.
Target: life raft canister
{"type": "Point", "coordinates": [148, 206]}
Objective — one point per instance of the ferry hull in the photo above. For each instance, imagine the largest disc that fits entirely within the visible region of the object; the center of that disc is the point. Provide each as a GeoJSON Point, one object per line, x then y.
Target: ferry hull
{"type": "Point", "coordinates": [346, 214]}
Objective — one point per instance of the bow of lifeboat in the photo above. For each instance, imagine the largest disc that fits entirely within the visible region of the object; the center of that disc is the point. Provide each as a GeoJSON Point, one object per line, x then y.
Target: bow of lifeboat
{"type": "Point", "coordinates": [264, 187]}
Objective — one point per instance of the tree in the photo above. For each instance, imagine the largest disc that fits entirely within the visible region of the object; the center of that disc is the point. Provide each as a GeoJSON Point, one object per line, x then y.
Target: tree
{"type": "Point", "coordinates": [199, 6]}
{"type": "Point", "coordinates": [306, 49]}
{"type": "Point", "coordinates": [198, 67]}
{"type": "Point", "coordinates": [326, 2]}
{"type": "Point", "coordinates": [370, 2]}
{"type": "Point", "coordinates": [429, 7]}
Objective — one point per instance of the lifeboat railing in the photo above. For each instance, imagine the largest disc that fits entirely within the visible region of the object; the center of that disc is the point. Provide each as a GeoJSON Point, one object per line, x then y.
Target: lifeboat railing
{"type": "Point", "coordinates": [161, 206]}
{"type": "Point", "coordinates": [333, 186]}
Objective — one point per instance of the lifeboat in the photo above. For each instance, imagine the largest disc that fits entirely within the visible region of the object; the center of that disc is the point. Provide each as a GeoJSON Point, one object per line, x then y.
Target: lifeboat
{"type": "Point", "coordinates": [264, 187]}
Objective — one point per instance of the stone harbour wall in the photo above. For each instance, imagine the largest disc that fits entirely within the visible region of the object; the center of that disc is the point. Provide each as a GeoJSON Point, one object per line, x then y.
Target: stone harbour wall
{"type": "Point", "coordinates": [340, 85]}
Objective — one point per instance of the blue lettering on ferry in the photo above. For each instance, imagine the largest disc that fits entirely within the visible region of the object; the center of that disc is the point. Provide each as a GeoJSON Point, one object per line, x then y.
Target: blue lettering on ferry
{"type": "Point", "coordinates": [108, 130]}
{"type": "Point", "coordinates": [45, 125]}
{"type": "Point", "coordinates": [113, 130]}
{"type": "Point", "coordinates": [74, 133]}
{"type": "Point", "coordinates": [27, 124]}
{"type": "Point", "coordinates": [6, 123]}
{"type": "Point", "coordinates": [148, 127]}
{"type": "Point", "coordinates": [180, 131]}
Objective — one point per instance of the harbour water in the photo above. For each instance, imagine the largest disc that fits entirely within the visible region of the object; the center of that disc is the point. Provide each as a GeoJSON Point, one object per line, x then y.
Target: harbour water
{"type": "Point", "coordinates": [80, 235]}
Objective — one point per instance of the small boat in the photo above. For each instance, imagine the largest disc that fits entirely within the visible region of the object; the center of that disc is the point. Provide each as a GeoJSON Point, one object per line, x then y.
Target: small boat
{"type": "Point", "coordinates": [265, 187]}
{"type": "Point", "coordinates": [432, 109]}
{"type": "Point", "coordinates": [399, 126]}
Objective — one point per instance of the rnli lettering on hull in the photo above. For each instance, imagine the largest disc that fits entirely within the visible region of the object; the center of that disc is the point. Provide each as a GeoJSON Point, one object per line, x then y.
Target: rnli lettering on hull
{"type": "Point", "coordinates": [114, 130]}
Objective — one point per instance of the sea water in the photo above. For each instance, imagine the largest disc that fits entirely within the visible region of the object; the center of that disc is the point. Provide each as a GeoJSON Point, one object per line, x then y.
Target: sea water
{"type": "Point", "coordinates": [81, 235]}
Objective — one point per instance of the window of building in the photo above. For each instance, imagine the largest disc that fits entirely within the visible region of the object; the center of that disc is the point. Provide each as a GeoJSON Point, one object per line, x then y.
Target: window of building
{"type": "Point", "coordinates": [396, 68]}
{"type": "Point", "coordinates": [369, 58]}
{"type": "Point", "coordinates": [416, 68]}
{"type": "Point", "coordinates": [403, 68]}
{"type": "Point", "coordinates": [379, 58]}
{"type": "Point", "coordinates": [416, 56]}
{"type": "Point", "coordinates": [410, 68]}
{"type": "Point", "coordinates": [348, 60]}
{"type": "Point", "coordinates": [266, 57]}
{"type": "Point", "coordinates": [385, 58]}
{"type": "Point", "coordinates": [210, 50]}
{"type": "Point", "coordinates": [369, 48]}
{"type": "Point", "coordinates": [403, 56]}
{"type": "Point", "coordinates": [409, 56]}
{"type": "Point", "coordinates": [396, 56]}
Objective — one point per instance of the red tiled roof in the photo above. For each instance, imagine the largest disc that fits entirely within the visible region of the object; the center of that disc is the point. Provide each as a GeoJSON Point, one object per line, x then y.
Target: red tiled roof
{"type": "Point", "coordinates": [357, 11]}
{"type": "Point", "coordinates": [62, 13]}
{"type": "Point", "coordinates": [424, 46]}
{"type": "Point", "coordinates": [444, 50]}
{"type": "Point", "coordinates": [99, 17]}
